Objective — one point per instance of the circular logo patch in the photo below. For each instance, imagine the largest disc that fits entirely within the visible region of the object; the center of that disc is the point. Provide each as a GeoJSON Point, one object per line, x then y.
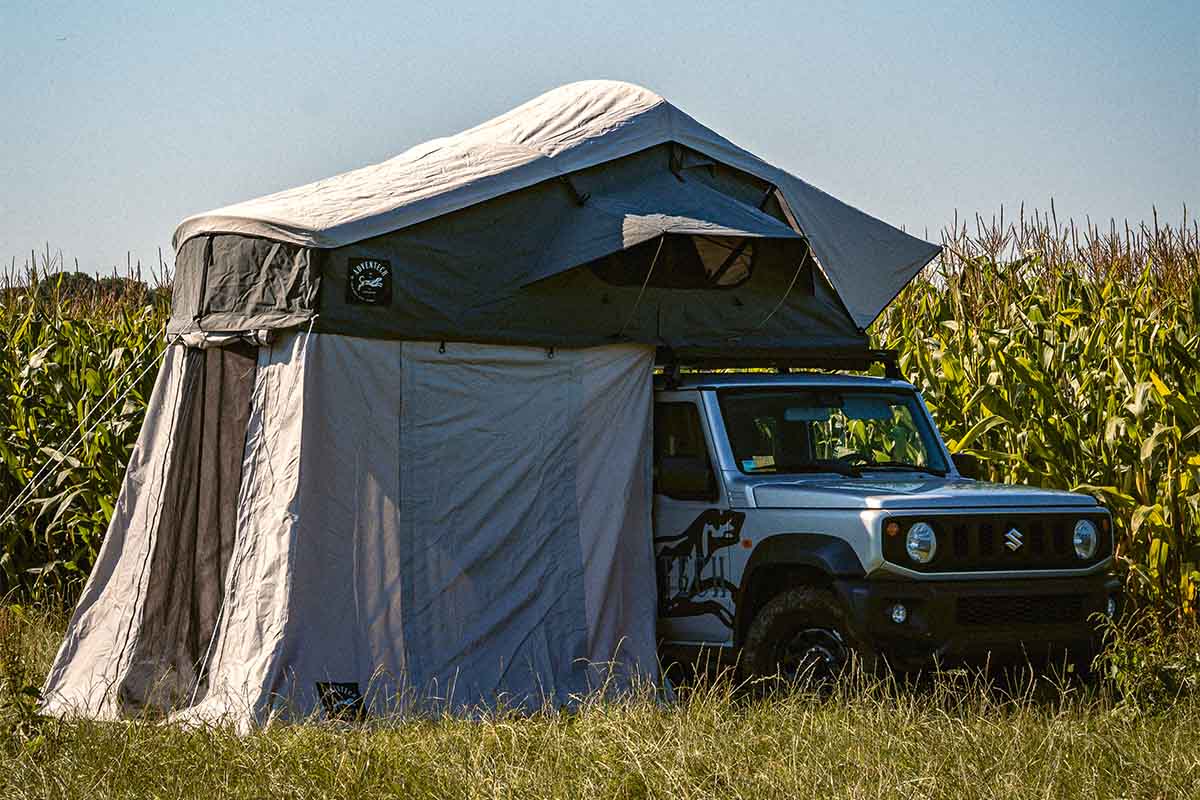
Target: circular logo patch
{"type": "Point", "coordinates": [369, 282]}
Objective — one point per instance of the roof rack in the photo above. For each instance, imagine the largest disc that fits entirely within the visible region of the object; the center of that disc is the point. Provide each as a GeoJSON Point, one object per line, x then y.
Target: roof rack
{"type": "Point", "coordinates": [822, 359]}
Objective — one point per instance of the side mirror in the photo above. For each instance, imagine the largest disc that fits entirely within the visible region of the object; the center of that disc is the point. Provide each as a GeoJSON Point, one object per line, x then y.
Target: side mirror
{"type": "Point", "coordinates": [967, 465]}
{"type": "Point", "coordinates": [685, 478]}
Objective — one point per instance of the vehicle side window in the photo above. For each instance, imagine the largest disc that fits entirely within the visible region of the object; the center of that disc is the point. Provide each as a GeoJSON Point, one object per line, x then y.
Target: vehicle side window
{"type": "Point", "coordinates": [681, 465]}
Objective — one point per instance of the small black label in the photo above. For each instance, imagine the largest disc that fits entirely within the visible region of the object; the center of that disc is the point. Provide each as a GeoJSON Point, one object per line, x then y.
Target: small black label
{"type": "Point", "coordinates": [342, 701]}
{"type": "Point", "coordinates": [369, 282]}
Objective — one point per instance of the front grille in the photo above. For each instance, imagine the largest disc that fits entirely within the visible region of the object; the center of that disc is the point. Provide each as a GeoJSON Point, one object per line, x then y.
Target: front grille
{"type": "Point", "coordinates": [1051, 609]}
{"type": "Point", "coordinates": [978, 542]}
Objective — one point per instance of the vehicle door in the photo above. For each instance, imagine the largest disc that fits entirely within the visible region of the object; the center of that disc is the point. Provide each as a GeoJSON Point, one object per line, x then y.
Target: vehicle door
{"type": "Point", "coordinates": [695, 532]}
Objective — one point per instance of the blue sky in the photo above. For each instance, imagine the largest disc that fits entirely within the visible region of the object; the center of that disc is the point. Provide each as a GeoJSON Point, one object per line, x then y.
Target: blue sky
{"type": "Point", "coordinates": [119, 119]}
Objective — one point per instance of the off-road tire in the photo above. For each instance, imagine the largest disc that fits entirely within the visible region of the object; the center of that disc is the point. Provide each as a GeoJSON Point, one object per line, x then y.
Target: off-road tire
{"type": "Point", "coordinates": [784, 616]}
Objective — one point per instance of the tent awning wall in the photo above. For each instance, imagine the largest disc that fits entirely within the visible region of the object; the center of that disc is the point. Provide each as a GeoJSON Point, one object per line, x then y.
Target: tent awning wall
{"type": "Point", "coordinates": [421, 545]}
{"type": "Point", "coordinates": [440, 528]}
{"type": "Point", "coordinates": [91, 660]}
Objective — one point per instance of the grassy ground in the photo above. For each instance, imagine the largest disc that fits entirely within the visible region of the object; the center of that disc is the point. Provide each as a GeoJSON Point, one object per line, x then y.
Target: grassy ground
{"type": "Point", "coordinates": [955, 739]}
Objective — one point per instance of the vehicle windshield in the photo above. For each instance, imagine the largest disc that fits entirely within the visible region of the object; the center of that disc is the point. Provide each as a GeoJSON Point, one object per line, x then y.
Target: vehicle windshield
{"type": "Point", "coordinates": [847, 431]}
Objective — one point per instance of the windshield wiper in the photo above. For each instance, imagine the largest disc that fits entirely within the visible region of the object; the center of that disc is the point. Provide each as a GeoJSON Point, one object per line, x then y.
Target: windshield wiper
{"type": "Point", "coordinates": [836, 467]}
{"type": "Point", "coordinates": [904, 465]}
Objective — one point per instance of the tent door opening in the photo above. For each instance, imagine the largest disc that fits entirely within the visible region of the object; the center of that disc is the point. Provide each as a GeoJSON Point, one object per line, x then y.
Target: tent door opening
{"type": "Point", "coordinates": [195, 531]}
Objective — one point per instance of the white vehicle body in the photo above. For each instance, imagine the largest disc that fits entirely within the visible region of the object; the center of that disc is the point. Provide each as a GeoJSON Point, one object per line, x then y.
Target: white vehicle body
{"type": "Point", "coordinates": [721, 557]}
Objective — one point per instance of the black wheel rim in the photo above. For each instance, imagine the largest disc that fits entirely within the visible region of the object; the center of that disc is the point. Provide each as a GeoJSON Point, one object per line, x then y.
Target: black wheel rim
{"type": "Point", "coordinates": [811, 657]}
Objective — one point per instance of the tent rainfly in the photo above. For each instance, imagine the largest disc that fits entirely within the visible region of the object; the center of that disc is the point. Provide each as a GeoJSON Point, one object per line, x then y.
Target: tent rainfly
{"type": "Point", "coordinates": [397, 456]}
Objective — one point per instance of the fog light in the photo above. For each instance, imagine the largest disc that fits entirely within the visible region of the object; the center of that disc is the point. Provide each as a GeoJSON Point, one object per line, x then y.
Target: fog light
{"type": "Point", "coordinates": [1111, 607]}
{"type": "Point", "coordinates": [900, 614]}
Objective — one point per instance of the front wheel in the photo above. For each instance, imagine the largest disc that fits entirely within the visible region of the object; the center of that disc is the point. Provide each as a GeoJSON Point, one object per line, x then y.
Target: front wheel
{"type": "Point", "coordinates": [801, 638]}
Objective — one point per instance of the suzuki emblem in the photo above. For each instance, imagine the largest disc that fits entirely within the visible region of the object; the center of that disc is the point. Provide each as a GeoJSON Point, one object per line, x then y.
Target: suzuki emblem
{"type": "Point", "coordinates": [1013, 540]}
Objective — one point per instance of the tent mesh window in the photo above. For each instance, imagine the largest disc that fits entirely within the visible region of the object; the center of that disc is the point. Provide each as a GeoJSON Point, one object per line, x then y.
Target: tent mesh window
{"type": "Point", "coordinates": [683, 262]}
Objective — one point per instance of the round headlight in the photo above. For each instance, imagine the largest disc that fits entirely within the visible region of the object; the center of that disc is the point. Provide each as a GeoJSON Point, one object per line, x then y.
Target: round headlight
{"type": "Point", "coordinates": [921, 543]}
{"type": "Point", "coordinates": [1085, 538]}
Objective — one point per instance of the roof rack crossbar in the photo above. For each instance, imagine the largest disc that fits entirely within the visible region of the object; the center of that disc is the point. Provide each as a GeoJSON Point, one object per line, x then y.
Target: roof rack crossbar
{"type": "Point", "coordinates": [831, 360]}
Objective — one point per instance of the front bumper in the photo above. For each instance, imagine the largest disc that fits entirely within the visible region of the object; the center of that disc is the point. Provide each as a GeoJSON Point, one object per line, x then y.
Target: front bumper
{"type": "Point", "coordinates": [1015, 620]}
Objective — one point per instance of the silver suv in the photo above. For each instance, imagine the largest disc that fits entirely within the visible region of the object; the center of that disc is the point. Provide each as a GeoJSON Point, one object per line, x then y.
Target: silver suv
{"type": "Point", "coordinates": [799, 517]}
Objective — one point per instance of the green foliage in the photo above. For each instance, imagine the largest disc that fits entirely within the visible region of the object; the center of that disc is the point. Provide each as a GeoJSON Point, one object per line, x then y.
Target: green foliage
{"type": "Point", "coordinates": [19, 694]}
{"type": "Point", "coordinates": [76, 358]}
{"type": "Point", "coordinates": [21, 727]}
{"type": "Point", "coordinates": [1149, 667]}
{"type": "Point", "coordinates": [893, 440]}
{"type": "Point", "coordinates": [1065, 364]}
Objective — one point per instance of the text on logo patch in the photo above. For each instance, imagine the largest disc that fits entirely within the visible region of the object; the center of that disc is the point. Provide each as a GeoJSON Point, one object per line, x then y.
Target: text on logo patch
{"type": "Point", "coordinates": [369, 282]}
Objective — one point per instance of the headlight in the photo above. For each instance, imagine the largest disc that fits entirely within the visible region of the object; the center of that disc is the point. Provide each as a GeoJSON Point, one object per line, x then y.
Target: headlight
{"type": "Point", "coordinates": [1085, 538]}
{"type": "Point", "coordinates": [921, 543]}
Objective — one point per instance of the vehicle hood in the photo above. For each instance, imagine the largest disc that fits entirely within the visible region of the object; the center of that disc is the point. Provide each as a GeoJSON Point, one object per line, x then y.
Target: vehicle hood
{"type": "Point", "coordinates": [908, 492]}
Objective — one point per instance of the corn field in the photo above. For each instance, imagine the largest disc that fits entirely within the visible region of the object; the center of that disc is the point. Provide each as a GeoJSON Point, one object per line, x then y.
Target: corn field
{"type": "Point", "coordinates": [1070, 359]}
{"type": "Point", "coordinates": [1063, 356]}
{"type": "Point", "coordinates": [76, 370]}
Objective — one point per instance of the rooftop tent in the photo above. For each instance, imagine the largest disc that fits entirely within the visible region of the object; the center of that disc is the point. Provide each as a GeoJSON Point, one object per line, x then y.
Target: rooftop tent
{"type": "Point", "coordinates": [458, 228]}
{"type": "Point", "coordinates": [398, 453]}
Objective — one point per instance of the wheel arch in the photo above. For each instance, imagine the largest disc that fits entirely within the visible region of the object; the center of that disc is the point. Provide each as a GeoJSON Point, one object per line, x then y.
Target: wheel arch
{"type": "Point", "coordinates": [790, 559]}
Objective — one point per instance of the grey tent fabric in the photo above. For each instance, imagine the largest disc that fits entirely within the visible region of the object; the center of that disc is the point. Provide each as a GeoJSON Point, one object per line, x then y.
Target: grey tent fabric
{"type": "Point", "coordinates": [470, 276]}
{"type": "Point", "coordinates": [243, 661]}
{"type": "Point", "coordinates": [614, 494]}
{"type": "Point", "coordinates": [139, 634]}
{"type": "Point", "coordinates": [549, 151]}
{"type": "Point", "coordinates": [662, 204]}
{"type": "Point", "coordinates": [499, 478]}
{"type": "Point", "coordinates": [90, 661]}
{"type": "Point", "coordinates": [512, 271]}
{"type": "Point", "coordinates": [235, 283]}
{"type": "Point", "coordinates": [437, 527]}
{"type": "Point", "coordinates": [196, 529]}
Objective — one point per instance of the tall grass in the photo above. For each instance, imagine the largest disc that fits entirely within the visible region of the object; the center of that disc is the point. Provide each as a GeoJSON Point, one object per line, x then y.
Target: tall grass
{"type": "Point", "coordinates": [958, 737]}
{"type": "Point", "coordinates": [1070, 358]}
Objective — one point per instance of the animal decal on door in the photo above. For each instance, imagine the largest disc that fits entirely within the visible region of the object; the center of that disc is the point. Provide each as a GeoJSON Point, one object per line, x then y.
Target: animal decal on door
{"type": "Point", "coordinates": [693, 567]}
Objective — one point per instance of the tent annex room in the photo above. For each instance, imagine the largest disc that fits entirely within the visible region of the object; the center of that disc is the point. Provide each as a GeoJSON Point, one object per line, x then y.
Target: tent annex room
{"type": "Point", "coordinates": [397, 457]}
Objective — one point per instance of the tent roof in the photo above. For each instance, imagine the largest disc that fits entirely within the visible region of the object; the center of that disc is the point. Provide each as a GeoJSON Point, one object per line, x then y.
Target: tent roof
{"type": "Point", "coordinates": [565, 130]}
